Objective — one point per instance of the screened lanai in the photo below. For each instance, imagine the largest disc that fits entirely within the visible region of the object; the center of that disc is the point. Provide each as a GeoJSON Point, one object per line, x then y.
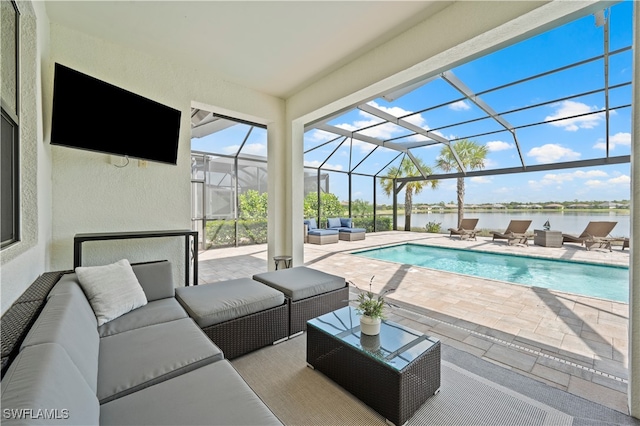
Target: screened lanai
{"type": "Point", "coordinates": [547, 110]}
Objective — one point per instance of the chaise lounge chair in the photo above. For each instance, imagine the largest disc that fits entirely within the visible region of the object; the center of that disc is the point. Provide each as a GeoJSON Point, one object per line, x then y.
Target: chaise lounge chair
{"type": "Point", "coordinates": [515, 233]}
{"type": "Point", "coordinates": [467, 229]}
{"type": "Point", "coordinates": [595, 234]}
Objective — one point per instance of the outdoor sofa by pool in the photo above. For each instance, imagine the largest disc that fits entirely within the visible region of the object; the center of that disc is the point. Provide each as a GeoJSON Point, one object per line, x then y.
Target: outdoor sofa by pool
{"type": "Point", "coordinates": [68, 358]}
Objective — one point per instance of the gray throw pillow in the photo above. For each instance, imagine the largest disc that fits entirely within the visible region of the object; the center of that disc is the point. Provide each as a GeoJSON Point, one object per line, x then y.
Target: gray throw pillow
{"type": "Point", "coordinates": [112, 290]}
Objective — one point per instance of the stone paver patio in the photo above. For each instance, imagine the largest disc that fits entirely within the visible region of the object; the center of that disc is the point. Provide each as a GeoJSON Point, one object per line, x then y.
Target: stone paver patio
{"type": "Point", "coordinates": [572, 342]}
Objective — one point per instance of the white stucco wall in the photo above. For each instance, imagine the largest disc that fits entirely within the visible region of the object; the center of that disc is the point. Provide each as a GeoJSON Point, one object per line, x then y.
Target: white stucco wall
{"type": "Point", "coordinates": [24, 261]}
{"type": "Point", "coordinates": [90, 194]}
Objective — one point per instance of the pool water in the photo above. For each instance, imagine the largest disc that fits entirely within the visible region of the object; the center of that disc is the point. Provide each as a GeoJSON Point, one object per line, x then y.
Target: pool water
{"type": "Point", "coordinates": [607, 282]}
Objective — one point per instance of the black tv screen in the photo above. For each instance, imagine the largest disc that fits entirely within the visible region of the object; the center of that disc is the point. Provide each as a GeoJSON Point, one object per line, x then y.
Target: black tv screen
{"type": "Point", "coordinates": [97, 116]}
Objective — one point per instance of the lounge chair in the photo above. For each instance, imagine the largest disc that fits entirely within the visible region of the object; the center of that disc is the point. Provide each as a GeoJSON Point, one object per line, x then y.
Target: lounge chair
{"type": "Point", "coordinates": [515, 233]}
{"type": "Point", "coordinates": [467, 229]}
{"type": "Point", "coordinates": [595, 234]}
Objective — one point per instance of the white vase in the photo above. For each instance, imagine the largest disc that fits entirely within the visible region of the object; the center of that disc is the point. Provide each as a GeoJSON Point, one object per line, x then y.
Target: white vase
{"type": "Point", "coordinates": [370, 326]}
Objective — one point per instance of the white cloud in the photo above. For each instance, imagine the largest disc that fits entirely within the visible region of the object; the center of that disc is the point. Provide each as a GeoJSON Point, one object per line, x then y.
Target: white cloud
{"type": "Point", "coordinates": [620, 138]}
{"type": "Point", "coordinates": [550, 153]}
{"type": "Point", "coordinates": [559, 178]}
{"type": "Point", "coordinates": [259, 149]}
{"type": "Point", "coordinates": [387, 130]}
{"type": "Point", "coordinates": [493, 146]}
{"type": "Point", "coordinates": [255, 149]}
{"type": "Point", "coordinates": [620, 180]}
{"type": "Point", "coordinates": [319, 136]}
{"type": "Point", "coordinates": [481, 179]}
{"type": "Point", "coordinates": [609, 185]}
{"type": "Point", "coordinates": [590, 174]}
{"type": "Point", "coordinates": [460, 106]}
{"type": "Point", "coordinates": [571, 108]}
{"type": "Point", "coordinates": [316, 163]}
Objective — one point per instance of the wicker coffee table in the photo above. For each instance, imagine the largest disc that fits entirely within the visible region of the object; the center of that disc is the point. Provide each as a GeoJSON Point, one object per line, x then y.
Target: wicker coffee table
{"type": "Point", "coordinates": [394, 373]}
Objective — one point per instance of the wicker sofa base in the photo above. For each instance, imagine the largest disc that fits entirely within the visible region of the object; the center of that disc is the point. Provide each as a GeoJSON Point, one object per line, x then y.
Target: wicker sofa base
{"type": "Point", "coordinates": [323, 239]}
{"type": "Point", "coordinates": [242, 335]}
{"type": "Point", "coordinates": [351, 236]}
{"type": "Point", "coordinates": [22, 314]}
{"type": "Point", "coordinates": [300, 311]}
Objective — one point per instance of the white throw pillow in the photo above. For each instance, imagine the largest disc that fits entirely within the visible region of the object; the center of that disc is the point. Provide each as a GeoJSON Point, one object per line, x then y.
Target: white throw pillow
{"type": "Point", "coordinates": [112, 290]}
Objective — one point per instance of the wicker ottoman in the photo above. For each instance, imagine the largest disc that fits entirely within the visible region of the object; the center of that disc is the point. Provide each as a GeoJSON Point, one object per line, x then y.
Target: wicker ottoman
{"type": "Point", "coordinates": [323, 236]}
{"type": "Point", "coordinates": [309, 293]}
{"type": "Point", "coordinates": [352, 234]}
{"type": "Point", "coordinates": [239, 316]}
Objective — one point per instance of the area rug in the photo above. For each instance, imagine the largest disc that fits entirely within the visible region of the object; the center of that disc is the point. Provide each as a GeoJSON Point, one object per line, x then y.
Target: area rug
{"type": "Point", "coordinates": [299, 395]}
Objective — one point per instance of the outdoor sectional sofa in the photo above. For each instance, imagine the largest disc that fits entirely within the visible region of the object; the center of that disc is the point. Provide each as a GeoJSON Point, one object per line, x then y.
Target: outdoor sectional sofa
{"type": "Point", "coordinates": [319, 236]}
{"type": "Point", "coordinates": [152, 365]}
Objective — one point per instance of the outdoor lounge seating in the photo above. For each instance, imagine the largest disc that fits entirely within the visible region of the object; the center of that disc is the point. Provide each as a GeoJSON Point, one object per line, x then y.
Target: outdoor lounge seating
{"type": "Point", "coordinates": [309, 293]}
{"type": "Point", "coordinates": [152, 365]}
{"type": "Point", "coordinates": [596, 234]}
{"type": "Point", "coordinates": [515, 233]}
{"type": "Point", "coordinates": [319, 236]}
{"type": "Point", "coordinates": [346, 231]}
{"type": "Point", "coordinates": [467, 229]}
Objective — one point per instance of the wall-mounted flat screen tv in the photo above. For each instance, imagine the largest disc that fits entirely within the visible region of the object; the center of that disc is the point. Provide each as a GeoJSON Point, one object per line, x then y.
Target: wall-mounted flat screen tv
{"type": "Point", "coordinates": [94, 115]}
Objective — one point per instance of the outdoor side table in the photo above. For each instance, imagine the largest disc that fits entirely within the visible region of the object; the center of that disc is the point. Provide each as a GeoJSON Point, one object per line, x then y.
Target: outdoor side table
{"type": "Point", "coordinates": [286, 260]}
{"type": "Point", "coordinates": [547, 238]}
{"type": "Point", "coordinates": [394, 372]}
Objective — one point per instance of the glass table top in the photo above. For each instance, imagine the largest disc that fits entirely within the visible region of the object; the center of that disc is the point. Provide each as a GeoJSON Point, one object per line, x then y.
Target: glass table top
{"type": "Point", "coordinates": [396, 345]}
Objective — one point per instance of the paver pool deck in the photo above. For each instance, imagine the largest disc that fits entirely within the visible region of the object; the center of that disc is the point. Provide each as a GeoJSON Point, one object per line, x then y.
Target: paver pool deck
{"type": "Point", "coordinates": [575, 343]}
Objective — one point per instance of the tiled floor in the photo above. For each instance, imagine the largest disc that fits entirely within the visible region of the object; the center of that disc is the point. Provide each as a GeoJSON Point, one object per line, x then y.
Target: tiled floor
{"type": "Point", "coordinates": [575, 343]}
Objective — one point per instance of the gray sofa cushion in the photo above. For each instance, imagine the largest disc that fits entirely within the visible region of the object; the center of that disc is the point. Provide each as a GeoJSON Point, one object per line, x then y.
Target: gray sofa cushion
{"type": "Point", "coordinates": [44, 377]}
{"type": "Point", "coordinates": [301, 282]}
{"type": "Point", "coordinates": [156, 279]}
{"type": "Point", "coordinates": [155, 312]}
{"type": "Point", "coordinates": [211, 395]}
{"type": "Point", "coordinates": [139, 358]}
{"type": "Point", "coordinates": [214, 303]}
{"type": "Point", "coordinates": [67, 283]}
{"type": "Point", "coordinates": [67, 319]}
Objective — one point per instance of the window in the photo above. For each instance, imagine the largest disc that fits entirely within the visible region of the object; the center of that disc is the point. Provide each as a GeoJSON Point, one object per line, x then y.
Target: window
{"type": "Point", "coordinates": [9, 128]}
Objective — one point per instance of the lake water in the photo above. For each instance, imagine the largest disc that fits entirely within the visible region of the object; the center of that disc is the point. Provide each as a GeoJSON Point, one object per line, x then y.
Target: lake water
{"type": "Point", "coordinates": [568, 222]}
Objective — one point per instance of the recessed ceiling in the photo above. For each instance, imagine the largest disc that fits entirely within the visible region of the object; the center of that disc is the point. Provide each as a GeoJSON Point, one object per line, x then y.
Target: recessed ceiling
{"type": "Point", "coordinates": [274, 47]}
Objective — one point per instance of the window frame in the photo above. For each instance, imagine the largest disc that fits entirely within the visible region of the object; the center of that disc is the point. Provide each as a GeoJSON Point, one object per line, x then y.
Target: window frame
{"type": "Point", "coordinates": [13, 120]}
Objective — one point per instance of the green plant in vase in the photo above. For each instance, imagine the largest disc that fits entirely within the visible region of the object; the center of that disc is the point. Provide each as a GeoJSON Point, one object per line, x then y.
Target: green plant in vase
{"type": "Point", "coordinates": [371, 309]}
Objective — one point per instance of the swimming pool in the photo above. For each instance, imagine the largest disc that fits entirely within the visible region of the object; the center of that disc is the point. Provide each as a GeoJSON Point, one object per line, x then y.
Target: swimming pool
{"type": "Point", "coordinates": [607, 282]}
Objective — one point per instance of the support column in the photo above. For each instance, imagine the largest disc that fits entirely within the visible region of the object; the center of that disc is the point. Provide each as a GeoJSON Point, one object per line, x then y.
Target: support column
{"type": "Point", "coordinates": [634, 264]}
{"type": "Point", "coordinates": [278, 229]}
{"type": "Point", "coordinates": [295, 202]}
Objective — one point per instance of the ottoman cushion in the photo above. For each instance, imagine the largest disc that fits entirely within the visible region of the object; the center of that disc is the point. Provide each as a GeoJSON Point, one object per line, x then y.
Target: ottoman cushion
{"type": "Point", "coordinates": [322, 232]}
{"type": "Point", "coordinates": [301, 282]}
{"type": "Point", "coordinates": [352, 230]}
{"type": "Point", "coordinates": [154, 312]}
{"type": "Point", "coordinates": [214, 303]}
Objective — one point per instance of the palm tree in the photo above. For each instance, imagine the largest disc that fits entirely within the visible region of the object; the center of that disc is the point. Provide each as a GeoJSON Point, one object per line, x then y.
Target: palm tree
{"type": "Point", "coordinates": [472, 156]}
{"type": "Point", "coordinates": [407, 169]}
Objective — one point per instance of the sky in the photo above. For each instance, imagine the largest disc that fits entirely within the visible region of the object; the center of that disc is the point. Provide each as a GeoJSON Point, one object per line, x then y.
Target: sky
{"type": "Point", "coordinates": [546, 136]}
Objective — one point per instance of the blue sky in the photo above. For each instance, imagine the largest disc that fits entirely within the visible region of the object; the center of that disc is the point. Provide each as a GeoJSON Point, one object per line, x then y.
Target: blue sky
{"type": "Point", "coordinates": [555, 140]}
